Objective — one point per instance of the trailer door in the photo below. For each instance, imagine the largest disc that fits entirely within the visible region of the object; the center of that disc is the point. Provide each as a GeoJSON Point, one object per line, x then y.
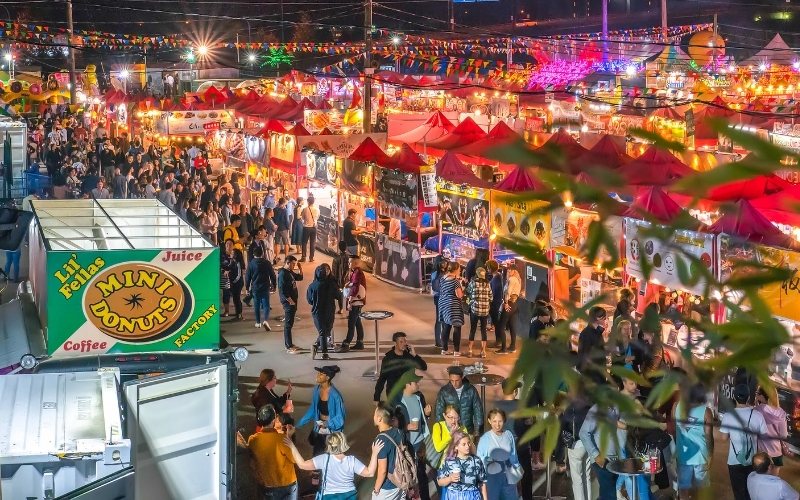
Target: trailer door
{"type": "Point", "coordinates": [177, 424]}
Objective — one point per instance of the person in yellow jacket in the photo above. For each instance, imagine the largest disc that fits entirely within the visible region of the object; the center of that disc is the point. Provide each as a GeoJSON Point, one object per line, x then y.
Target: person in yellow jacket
{"type": "Point", "coordinates": [442, 431]}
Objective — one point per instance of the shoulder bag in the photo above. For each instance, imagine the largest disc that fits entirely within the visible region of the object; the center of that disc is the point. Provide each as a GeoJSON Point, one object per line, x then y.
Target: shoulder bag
{"type": "Point", "coordinates": [321, 493]}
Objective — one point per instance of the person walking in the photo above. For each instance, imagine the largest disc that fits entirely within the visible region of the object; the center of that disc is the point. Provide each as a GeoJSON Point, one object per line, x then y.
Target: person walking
{"type": "Point", "coordinates": [742, 426]}
{"type": "Point", "coordinates": [463, 474]}
{"type": "Point", "coordinates": [451, 311]}
{"type": "Point", "coordinates": [464, 396]}
{"type": "Point", "coordinates": [479, 298]}
{"type": "Point", "coordinates": [12, 261]}
{"type": "Point", "coordinates": [498, 451]}
{"type": "Point", "coordinates": [287, 292]}
{"type": "Point", "coordinates": [355, 293]}
{"type": "Point", "coordinates": [337, 481]}
{"type": "Point", "coordinates": [694, 442]}
{"type": "Point", "coordinates": [391, 437]}
{"type": "Point", "coordinates": [310, 216]}
{"type": "Point", "coordinates": [232, 280]}
{"type": "Point", "coordinates": [260, 280]}
{"type": "Point", "coordinates": [271, 459]}
{"type": "Point", "coordinates": [270, 229]}
{"type": "Point", "coordinates": [321, 295]}
{"type": "Point", "coordinates": [584, 486]}
{"type": "Point", "coordinates": [398, 361]}
{"type": "Point", "coordinates": [327, 409]}
{"type": "Point", "coordinates": [768, 405]}
{"type": "Point", "coordinates": [340, 267]}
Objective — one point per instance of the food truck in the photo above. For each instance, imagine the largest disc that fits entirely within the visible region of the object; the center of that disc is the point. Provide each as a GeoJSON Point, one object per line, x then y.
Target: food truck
{"type": "Point", "coordinates": [126, 288]}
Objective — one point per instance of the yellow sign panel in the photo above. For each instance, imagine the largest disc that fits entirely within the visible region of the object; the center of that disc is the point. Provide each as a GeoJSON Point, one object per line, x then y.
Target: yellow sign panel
{"type": "Point", "coordinates": [520, 219]}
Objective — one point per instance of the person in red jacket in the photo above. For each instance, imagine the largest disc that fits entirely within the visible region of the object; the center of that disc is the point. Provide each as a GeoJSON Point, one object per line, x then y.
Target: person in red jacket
{"type": "Point", "coordinates": [355, 293]}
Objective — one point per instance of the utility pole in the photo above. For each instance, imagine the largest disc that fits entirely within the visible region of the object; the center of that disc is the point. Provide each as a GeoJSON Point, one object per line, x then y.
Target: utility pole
{"type": "Point", "coordinates": [714, 46]}
{"type": "Point", "coordinates": [283, 39]}
{"type": "Point", "coordinates": [368, 69]}
{"type": "Point", "coordinates": [238, 61]}
{"type": "Point", "coordinates": [605, 30]}
{"type": "Point", "coordinates": [71, 55]}
{"type": "Point", "coordinates": [451, 14]}
{"type": "Point", "coordinates": [664, 19]}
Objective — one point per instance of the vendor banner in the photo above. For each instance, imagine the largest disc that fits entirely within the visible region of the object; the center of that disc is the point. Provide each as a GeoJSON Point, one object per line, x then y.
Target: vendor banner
{"type": "Point", "coordinates": [397, 188]}
{"type": "Point", "coordinates": [342, 145]}
{"type": "Point", "coordinates": [283, 147]}
{"type": "Point", "coordinates": [398, 262]}
{"type": "Point", "coordinates": [192, 122]}
{"type": "Point", "coordinates": [366, 251]}
{"type": "Point", "coordinates": [132, 301]}
{"type": "Point", "coordinates": [357, 177]}
{"type": "Point", "coordinates": [664, 257]}
{"type": "Point", "coordinates": [783, 298]}
{"type": "Point", "coordinates": [321, 167]}
{"type": "Point", "coordinates": [525, 220]}
{"type": "Point", "coordinates": [464, 211]}
{"type": "Point", "coordinates": [570, 228]}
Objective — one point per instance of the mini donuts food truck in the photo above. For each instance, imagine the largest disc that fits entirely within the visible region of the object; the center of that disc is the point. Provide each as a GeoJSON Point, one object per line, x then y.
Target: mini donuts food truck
{"type": "Point", "coordinates": [126, 286]}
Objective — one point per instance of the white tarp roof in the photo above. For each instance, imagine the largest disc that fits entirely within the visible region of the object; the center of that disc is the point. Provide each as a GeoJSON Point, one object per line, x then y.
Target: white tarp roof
{"type": "Point", "coordinates": [91, 224]}
{"type": "Point", "coordinates": [777, 51]}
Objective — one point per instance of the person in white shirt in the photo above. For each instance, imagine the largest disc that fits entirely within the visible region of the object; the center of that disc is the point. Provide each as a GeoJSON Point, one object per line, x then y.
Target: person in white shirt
{"type": "Point", "coordinates": [764, 486]}
{"type": "Point", "coordinates": [743, 427]}
{"type": "Point", "coordinates": [100, 192]}
{"type": "Point", "coordinates": [338, 469]}
{"type": "Point", "coordinates": [310, 215]}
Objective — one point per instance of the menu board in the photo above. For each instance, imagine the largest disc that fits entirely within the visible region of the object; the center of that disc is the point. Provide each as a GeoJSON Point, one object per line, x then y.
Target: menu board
{"type": "Point", "coordinates": [428, 189]}
{"type": "Point", "coordinates": [321, 167]}
{"type": "Point", "coordinates": [525, 220]}
{"type": "Point", "coordinates": [398, 262]}
{"type": "Point", "coordinates": [396, 188]}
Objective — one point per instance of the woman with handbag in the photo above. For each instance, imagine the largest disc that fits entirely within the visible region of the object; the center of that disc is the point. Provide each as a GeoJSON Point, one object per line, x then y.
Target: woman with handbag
{"type": "Point", "coordinates": [497, 448]}
{"type": "Point", "coordinates": [338, 470]}
{"type": "Point", "coordinates": [451, 309]}
{"type": "Point", "coordinates": [327, 409]}
{"type": "Point", "coordinates": [442, 433]}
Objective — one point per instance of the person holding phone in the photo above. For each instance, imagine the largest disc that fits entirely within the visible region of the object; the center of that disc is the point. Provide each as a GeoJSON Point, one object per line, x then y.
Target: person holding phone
{"type": "Point", "coordinates": [402, 358]}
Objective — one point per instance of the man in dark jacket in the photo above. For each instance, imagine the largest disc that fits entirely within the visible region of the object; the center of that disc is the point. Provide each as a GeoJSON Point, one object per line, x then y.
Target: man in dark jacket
{"type": "Point", "coordinates": [540, 322]}
{"type": "Point", "coordinates": [321, 295]}
{"type": "Point", "coordinates": [259, 280]}
{"type": "Point", "coordinates": [341, 271]}
{"type": "Point", "coordinates": [496, 284]}
{"type": "Point", "coordinates": [396, 362]}
{"type": "Point", "coordinates": [591, 347]}
{"type": "Point", "coordinates": [287, 291]}
{"type": "Point", "coordinates": [463, 395]}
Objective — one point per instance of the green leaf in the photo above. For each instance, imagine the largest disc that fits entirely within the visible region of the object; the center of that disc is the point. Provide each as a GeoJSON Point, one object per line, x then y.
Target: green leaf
{"type": "Point", "coordinates": [657, 140]}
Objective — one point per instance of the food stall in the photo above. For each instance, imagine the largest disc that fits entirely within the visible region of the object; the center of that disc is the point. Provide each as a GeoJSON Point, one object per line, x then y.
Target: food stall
{"type": "Point", "coordinates": [406, 193]}
{"type": "Point", "coordinates": [117, 276]}
{"type": "Point", "coordinates": [322, 173]}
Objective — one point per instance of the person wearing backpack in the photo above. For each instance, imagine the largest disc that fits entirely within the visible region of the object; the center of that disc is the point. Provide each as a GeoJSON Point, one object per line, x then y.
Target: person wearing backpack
{"type": "Point", "coordinates": [396, 473]}
{"type": "Point", "coordinates": [743, 426]}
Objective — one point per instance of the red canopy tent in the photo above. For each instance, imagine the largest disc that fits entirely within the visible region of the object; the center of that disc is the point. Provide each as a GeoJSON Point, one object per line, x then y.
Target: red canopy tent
{"type": "Point", "coordinates": [655, 167]}
{"type": "Point", "coordinates": [499, 135]}
{"type": "Point", "coordinates": [606, 153]}
{"type": "Point", "coordinates": [324, 104]}
{"type": "Point", "coordinates": [748, 223]}
{"type": "Point", "coordinates": [295, 113]}
{"type": "Point", "coordinates": [287, 107]}
{"type": "Point", "coordinates": [406, 160]}
{"type": "Point", "coordinates": [466, 132]}
{"type": "Point", "coordinates": [654, 203]}
{"type": "Point", "coordinates": [434, 127]}
{"type": "Point", "coordinates": [298, 130]}
{"type": "Point", "coordinates": [246, 100]}
{"type": "Point", "coordinates": [369, 152]}
{"type": "Point", "coordinates": [325, 131]}
{"type": "Point", "coordinates": [271, 126]}
{"type": "Point", "coordinates": [521, 179]}
{"type": "Point", "coordinates": [213, 96]}
{"type": "Point", "coordinates": [748, 189]}
{"type": "Point", "coordinates": [782, 207]}
{"type": "Point", "coordinates": [564, 145]}
{"type": "Point", "coordinates": [388, 77]}
{"type": "Point", "coordinates": [262, 107]}
{"type": "Point", "coordinates": [452, 170]}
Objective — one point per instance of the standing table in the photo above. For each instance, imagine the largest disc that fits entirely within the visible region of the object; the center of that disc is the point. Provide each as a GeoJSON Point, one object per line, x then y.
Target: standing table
{"type": "Point", "coordinates": [376, 316]}
{"type": "Point", "coordinates": [631, 468]}
{"type": "Point", "coordinates": [482, 380]}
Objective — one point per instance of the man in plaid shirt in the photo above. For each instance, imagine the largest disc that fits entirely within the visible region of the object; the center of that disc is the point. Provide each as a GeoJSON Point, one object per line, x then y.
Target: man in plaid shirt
{"type": "Point", "coordinates": [479, 298]}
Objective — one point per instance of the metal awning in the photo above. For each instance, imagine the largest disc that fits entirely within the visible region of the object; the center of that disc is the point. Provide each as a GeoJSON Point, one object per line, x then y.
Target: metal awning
{"type": "Point", "coordinates": [91, 224]}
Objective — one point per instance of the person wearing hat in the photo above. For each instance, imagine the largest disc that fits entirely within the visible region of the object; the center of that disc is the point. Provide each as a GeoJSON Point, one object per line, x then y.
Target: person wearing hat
{"type": "Point", "coordinates": [327, 409]}
{"type": "Point", "coordinates": [412, 416]}
{"type": "Point", "coordinates": [742, 427]}
{"type": "Point", "coordinates": [271, 458]}
{"type": "Point", "coordinates": [479, 298]}
{"type": "Point", "coordinates": [464, 396]}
